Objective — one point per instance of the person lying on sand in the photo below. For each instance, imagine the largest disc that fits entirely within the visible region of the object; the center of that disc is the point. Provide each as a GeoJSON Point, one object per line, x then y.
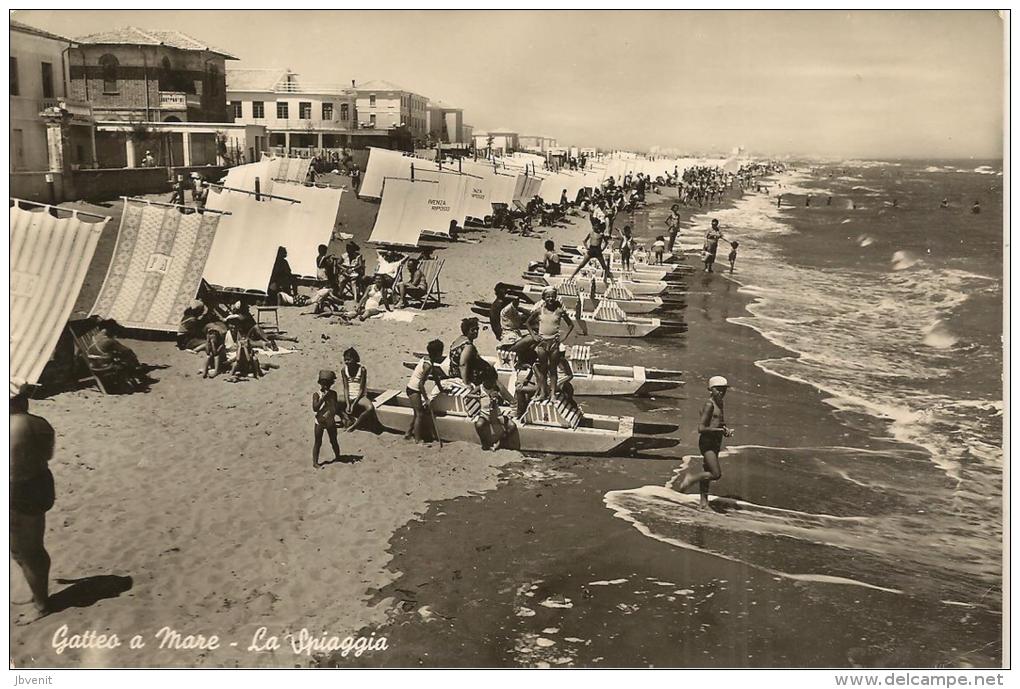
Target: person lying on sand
{"type": "Point", "coordinates": [354, 380]}
{"type": "Point", "coordinates": [325, 406]}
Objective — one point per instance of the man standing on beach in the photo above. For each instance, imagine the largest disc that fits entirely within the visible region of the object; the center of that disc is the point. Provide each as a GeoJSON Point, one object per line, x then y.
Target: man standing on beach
{"type": "Point", "coordinates": [711, 431]}
{"type": "Point", "coordinates": [31, 495]}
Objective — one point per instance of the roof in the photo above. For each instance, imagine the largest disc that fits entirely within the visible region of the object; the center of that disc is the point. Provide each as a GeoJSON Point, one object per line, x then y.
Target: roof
{"type": "Point", "coordinates": [25, 28]}
{"type": "Point", "coordinates": [440, 105]}
{"type": "Point", "coordinates": [380, 85]}
{"type": "Point", "coordinates": [132, 35]}
{"type": "Point", "coordinates": [251, 79]}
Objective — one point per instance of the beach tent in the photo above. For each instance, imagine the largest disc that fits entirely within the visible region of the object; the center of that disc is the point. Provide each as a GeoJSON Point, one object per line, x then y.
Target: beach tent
{"type": "Point", "coordinates": [157, 265]}
{"type": "Point", "coordinates": [503, 188]}
{"type": "Point", "coordinates": [291, 169]}
{"type": "Point", "coordinates": [445, 203]}
{"type": "Point", "coordinates": [243, 176]}
{"type": "Point", "coordinates": [478, 204]}
{"type": "Point", "coordinates": [403, 202]}
{"type": "Point", "coordinates": [244, 249]}
{"type": "Point", "coordinates": [49, 259]}
{"type": "Point", "coordinates": [384, 163]}
{"type": "Point", "coordinates": [310, 222]}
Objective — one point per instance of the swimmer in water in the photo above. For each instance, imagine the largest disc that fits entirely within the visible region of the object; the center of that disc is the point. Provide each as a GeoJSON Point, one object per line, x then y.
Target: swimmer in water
{"type": "Point", "coordinates": [711, 431]}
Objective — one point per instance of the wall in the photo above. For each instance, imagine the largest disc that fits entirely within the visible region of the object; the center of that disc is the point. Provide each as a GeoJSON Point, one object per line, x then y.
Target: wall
{"type": "Point", "coordinates": [30, 52]}
{"type": "Point", "coordinates": [108, 184]}
{"type": "Point", "coordinates": [32, 186]}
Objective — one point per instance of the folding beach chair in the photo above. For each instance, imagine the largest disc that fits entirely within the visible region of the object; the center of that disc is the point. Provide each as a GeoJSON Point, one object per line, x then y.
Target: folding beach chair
{"type": "Point", "coordinates": [433, 295]}
{"type": "Point", "coordinates": [84, 333]}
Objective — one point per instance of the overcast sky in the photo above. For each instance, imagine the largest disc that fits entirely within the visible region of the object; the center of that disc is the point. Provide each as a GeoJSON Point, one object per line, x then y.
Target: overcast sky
{"type": "Point", "coordinates": [849, 84]}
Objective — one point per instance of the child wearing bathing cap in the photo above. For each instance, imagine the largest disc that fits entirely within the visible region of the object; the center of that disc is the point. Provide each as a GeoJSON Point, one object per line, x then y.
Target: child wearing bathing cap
{"type": "Point", "coordinates": [711, 431]}
{"type": "Point", "coordinates": [325, 406]}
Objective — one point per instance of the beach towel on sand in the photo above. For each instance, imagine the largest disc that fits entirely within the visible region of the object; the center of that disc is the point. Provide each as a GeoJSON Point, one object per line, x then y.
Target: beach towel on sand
{"type": "Point", "coordinates": [398, 316]}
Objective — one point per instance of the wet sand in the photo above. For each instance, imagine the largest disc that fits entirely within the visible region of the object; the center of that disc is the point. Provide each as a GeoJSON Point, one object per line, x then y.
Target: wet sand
{"type": "Point", "coordinates": [545, 575]}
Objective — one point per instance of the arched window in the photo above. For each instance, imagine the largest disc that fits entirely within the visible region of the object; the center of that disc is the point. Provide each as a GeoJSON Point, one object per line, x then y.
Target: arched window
{"type": "Point", "coordinates": [108, 64]}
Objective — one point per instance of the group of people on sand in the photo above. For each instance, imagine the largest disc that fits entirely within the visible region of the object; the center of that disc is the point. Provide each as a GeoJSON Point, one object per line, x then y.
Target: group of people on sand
{"type": "Point", "coordinates": [529, 341]}
{"type": "Point", "coordinates": [398, 279]}
{"type": "Point", "coordinates": [229, 337]}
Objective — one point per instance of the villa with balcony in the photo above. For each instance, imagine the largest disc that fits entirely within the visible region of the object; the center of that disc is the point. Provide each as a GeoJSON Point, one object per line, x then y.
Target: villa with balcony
{"type": "Point", "coordinates": [147, 75]}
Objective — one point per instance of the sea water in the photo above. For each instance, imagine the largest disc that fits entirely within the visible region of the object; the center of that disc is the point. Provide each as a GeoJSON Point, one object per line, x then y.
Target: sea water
{"type": "Point", "coordinates": [891, 306]}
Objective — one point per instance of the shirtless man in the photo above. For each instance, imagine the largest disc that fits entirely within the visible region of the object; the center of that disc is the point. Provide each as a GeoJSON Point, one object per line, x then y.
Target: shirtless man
{"type": "Point", "coordinates": [711, 431]}
{"type": "Point", "coordinates": [32, 495]}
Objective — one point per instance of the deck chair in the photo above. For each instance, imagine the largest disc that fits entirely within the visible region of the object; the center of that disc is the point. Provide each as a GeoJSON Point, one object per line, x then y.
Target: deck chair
{"type": "Point", "coordinates": [433, 295]}
{"type": "Point", "coordinates": [84, 333]}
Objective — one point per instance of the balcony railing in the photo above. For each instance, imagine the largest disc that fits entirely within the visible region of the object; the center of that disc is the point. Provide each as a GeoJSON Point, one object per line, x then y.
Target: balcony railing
{"type": "Point", "coordinates": [76, 108]}
{"type": "Point", "coordinates": [295, 87]}
{"type": "Point", "coordinates": [176, 100]}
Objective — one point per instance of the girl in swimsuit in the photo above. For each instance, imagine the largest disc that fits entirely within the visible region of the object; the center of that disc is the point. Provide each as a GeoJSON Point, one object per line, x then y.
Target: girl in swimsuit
{"type": "Point", "coordinates": [354, 378]}
{"type": "Point", "coordinates": [427, 368]}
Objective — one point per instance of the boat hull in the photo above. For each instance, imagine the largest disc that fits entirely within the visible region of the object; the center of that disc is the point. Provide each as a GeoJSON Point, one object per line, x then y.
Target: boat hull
{"type": "Point", "coordinates": [597, 435]}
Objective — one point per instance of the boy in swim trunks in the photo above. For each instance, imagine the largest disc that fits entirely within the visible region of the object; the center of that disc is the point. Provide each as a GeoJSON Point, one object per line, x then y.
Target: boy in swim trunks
{"type": "Point", "coordinates": [594, 243]}
{"type": "Point", "coordinates": [325, 406]}
{"type": "Point", "coordinates": [711, 431]}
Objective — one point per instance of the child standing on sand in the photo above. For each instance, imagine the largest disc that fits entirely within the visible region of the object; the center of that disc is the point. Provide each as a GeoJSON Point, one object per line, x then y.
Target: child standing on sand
{"type": "Point", "coordinates": [733, 254]}
{"type": "Point", "coordinates": [428, 367]}
{"type": "Point", "coordinates": [325, 406]}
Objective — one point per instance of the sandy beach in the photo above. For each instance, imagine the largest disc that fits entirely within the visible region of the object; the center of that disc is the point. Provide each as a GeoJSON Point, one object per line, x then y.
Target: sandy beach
{"type": "Point", "coordinates": [195, 506]}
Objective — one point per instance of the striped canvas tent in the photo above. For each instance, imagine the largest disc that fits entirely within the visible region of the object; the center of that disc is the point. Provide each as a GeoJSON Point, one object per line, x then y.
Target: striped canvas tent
{"type": "Point", "coordinates": [49, 259]}
{"type": "Point", "coordinates": [157, 265]}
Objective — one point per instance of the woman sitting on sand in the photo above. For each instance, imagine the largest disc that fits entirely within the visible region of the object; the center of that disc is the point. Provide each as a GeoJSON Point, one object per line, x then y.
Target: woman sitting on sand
{"type": "Point", "coordinates": [354, 386]}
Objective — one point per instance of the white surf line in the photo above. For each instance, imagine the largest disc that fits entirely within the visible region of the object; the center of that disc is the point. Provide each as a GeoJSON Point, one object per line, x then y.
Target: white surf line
{"type": "Point", "coordinates": [860, 450]}
{"type": "Point", "coordinates": [626, 515]}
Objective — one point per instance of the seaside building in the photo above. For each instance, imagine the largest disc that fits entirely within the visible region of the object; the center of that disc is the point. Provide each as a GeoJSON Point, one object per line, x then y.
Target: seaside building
{"type": "Point", "coordinates": [296, 114]}
{"type": "Point", "coordinates": [384, 105]}
{"type": "Point", "coordinates": [145, 75]}
{"type": "Point", "coordinates": [498, 141]}
{"type": "Point", "coordinates": [38, 96]}
{"type": "Point", "coordinates": [536, 144]}
{"type": "Point", "coordinates": [445, 123]}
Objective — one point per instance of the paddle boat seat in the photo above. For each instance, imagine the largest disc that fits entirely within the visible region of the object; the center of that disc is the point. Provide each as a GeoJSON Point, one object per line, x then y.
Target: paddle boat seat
{"type": "Point", "coordinates": [618, 292]}
{"type": "Point", "coordinates": [457, 400]}
{"type": "Point", "coordinates": [558, 413]}
{"type": "Point", "coordinates": [579, 357]}
{"type": "Point", "coordinates": [569, 288]}
{"type": "Point", "coordinates": [609, 310]}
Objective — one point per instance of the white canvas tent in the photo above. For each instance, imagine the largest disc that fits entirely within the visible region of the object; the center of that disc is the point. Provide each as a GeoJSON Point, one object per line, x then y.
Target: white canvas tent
{"type": "Point", "coordinates": [403, 202]}
{"type": "Point", "coordinates": [48, 261]}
